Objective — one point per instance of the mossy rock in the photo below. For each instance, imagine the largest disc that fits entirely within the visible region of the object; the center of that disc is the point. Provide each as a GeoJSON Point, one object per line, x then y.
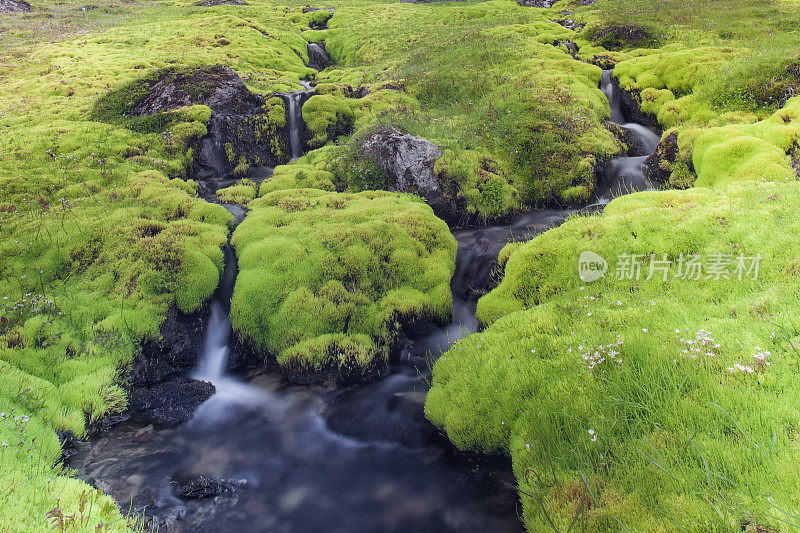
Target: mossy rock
{"type": "Point", "coordinates": [618, 36]}
{"type": "Point", "coordinates": [328, 280]}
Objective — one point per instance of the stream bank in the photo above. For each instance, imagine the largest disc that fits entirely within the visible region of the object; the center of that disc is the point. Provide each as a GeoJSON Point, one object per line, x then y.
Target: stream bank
{"type": "Point", "coordinates": [265, 455]}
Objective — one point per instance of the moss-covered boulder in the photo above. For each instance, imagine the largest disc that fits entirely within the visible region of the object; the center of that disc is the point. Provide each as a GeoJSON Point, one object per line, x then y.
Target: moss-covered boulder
{"type": "Point", "coordinates": [236, 128]}
{"type": "Point", "coordinates": [328, 280]}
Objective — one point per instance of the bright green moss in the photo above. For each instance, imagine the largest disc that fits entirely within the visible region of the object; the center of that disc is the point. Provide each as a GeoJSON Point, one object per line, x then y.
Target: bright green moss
{"type": "Point", "coordinates": [321, 269]}
{"type": "Point", "coordinates": [97, 242]}
{"type": "Point", "coordinates": [241, 193]}
{"type": "Point", "coordinates": [308, 172]}
{"type": "Point", "coordinates": [746, 152]}
{"type": "Point", "coordinates": [326, 118]}
{"type": "Point", "coordinates": [275, 109]}
{"type": "Point", "coordinates": [670, 420]}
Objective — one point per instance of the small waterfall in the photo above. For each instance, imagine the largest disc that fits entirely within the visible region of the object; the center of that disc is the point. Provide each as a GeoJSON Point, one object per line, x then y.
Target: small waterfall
{"type": "Point", "coordinates": [295, 119]}
{"type": "Point", "coordinates": [607, 85]}
{"type": "Point", "coordinates": [296, 124]}
{"type": "Point", "coordinates": [625, 175]}
{"type": "Point", "coordinates": [213, 363]}
{"type": "Point", "coordinates": [215, 352]}
{"type": "Point", "coordinates": [647, 138]}
{"type": "Point", "coordinates": [318, 57]}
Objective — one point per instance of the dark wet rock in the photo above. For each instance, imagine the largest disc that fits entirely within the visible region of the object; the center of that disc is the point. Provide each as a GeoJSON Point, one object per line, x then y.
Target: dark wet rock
{"type": "Point", "coordinates": [571, 47]}
{"type": "Point", "coordinates": [67, 440]}
{"type": "Point", "coordinates": [203, 487]}
{"type": "Point", "coordinates": [96, 427]}
{"type": "Point", "coordinates": [318, 57]}
{"type": "Point", "coordinates": [362, 91]}
{"type": "Point", "coordinates": [336, 373]}
{"type": "Point", "coordinates": [618, 36]}
{"type": "Point", "coordinates": [358, 92]}
{"type": "Point", "coordinates": [659, 165]}
{"type": "Point", "coordinates": [179, 348]}
{"type": "Point", "coordinates": [144, 434]}
{"type": "Point", "coordinates": [210, 3]}
{"type": "Point", "coordinates": [475, 267]}
{"type": "Point", "coordinates": [795, 155]}
{"type": "Point", "coordinates": [408, 163]}
{"type": "Point", "coordinates": [170, 403]}
{"type": "Point", "coordinates": [631, 106]}
{"type": "Point", "coordinates": [233, 139]}
{"type": "Point", "coordinates": [14, 6]}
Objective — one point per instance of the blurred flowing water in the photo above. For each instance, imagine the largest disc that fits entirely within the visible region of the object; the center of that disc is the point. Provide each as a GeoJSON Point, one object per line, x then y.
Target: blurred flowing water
{"type": "Point", "coordinates": [625, 175]}
{"type": "Point", "coordinates": [308, 459]}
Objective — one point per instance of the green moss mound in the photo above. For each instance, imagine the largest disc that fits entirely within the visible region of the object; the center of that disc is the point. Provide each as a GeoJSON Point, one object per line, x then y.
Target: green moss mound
{"type": "Point", "coordinates": [327, 280]}
{"type": "Point", "coordinates": [312, 171]}
{"type": "Point", "coordinates": [639, 402]}
{"type": "Point", "coordinates": [241, 193]}
{"type": "Point", "coordinates": [326, 117]}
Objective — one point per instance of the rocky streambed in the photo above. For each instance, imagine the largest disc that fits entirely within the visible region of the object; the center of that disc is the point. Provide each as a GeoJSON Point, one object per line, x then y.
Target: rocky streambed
{"type": "Point", "coordinates": [210, 449]}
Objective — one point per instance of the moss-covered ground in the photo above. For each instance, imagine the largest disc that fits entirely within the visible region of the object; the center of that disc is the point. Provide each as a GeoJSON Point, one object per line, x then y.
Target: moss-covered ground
{"type": "Point", "coordinates": [659, 397]}
{"type": "Point", "coordinates": [101, 231]}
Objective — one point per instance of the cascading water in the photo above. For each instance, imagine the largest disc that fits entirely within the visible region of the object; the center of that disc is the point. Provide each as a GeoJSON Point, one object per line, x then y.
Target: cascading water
{"type": "Point", "coordinates": [362, 459]}
{"type": "Point", "coordinates": [318, 57]}
{"type": "Point", "coordinates": [296, 100]}
{"type": "Point", "coordinates": [624, 175]}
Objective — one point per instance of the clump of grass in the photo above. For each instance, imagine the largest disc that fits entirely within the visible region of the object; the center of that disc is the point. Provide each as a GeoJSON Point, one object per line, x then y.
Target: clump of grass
{"type": "Point", "coordinates": [764, 79]}
{"type": "Point", "coordinates": [354, 169]}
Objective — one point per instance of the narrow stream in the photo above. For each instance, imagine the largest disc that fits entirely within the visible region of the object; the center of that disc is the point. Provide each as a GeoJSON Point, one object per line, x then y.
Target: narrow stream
{"type": "Point", "coordinates": [624, 175]}
{"type": "Point", "coordinates": [307, 459]}
{"type": "Point", "coordinates": [296, 99]}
